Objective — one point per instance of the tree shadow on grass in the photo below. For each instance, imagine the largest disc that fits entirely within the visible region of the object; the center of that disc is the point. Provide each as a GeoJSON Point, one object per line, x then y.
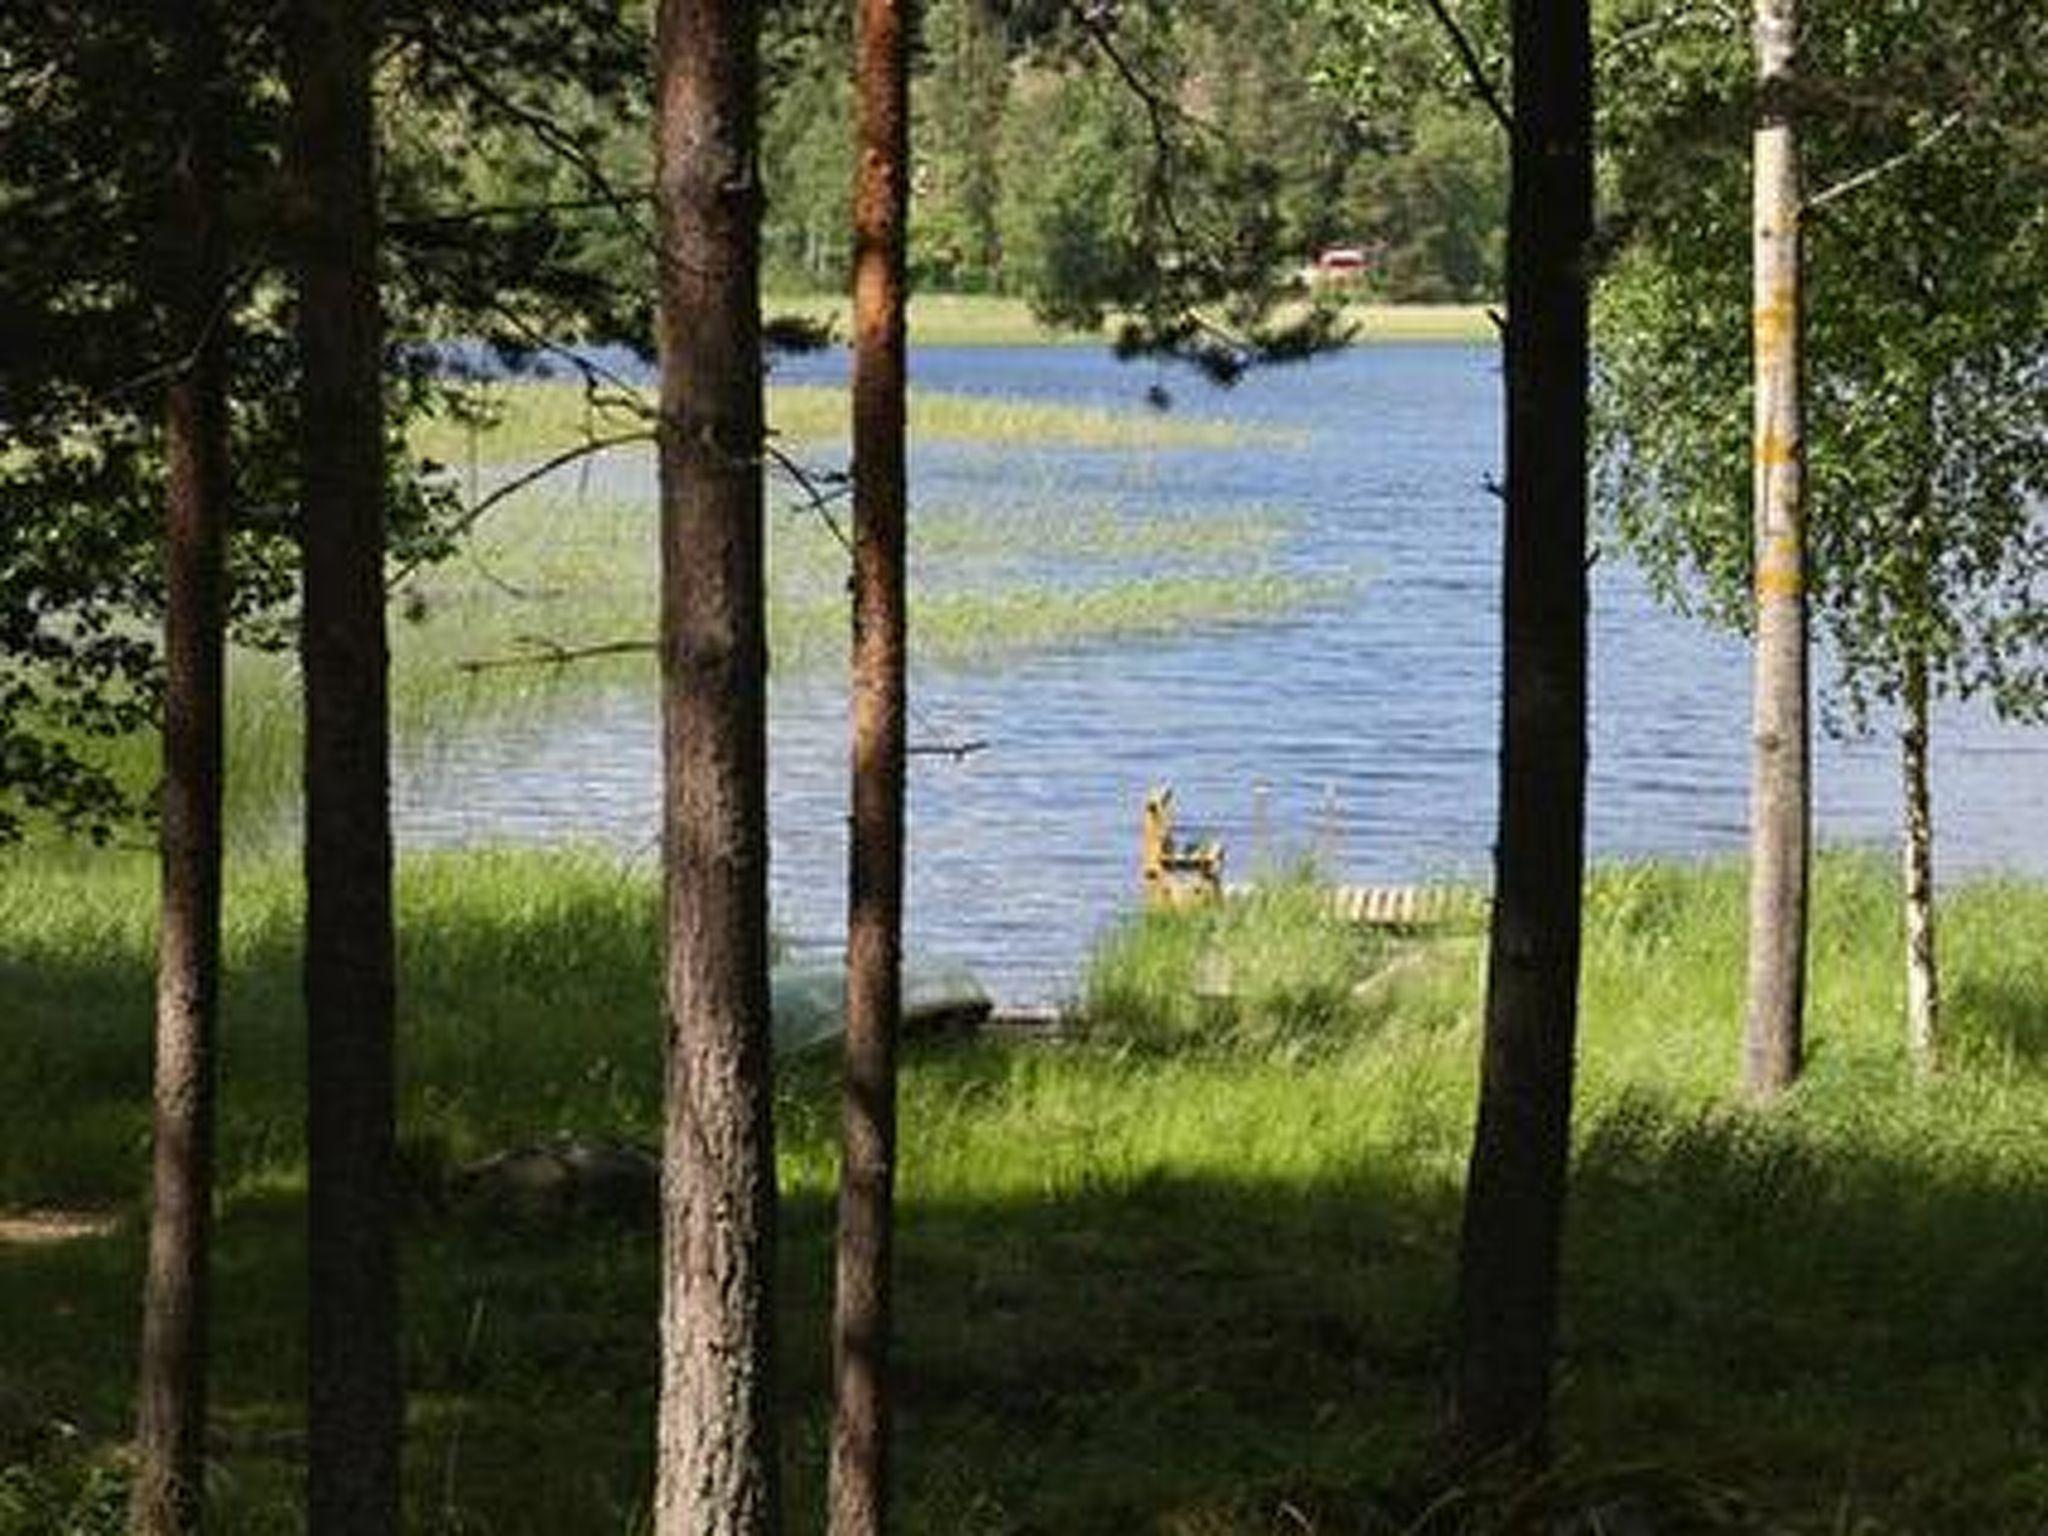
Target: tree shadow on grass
{"type": "Point", "coordinates": [1837, 1333]}
{"type": "Point", "coordinates": [1763, 1333]}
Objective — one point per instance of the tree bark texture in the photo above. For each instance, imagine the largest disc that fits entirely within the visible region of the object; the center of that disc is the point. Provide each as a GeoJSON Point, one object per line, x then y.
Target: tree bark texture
{"type": "Point", "coordinates": [1781, 765]}
{"type": "Point", "coordinates": [356, 1407]}
{"type": "Point", "coordinates": [716, 1455]}
{"type": "Point", "coordinates": [1514, 1197]}
{"type": "Point", "coordinates": [1923, 976]}
{"type": "Point", "coordinates": [859, 1479]}
{"type": "Point", "coordinates": [171, 1396]}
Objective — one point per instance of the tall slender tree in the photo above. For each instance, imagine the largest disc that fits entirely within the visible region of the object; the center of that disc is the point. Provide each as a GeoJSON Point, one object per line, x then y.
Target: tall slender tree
{"type": "Point", "coordinates": [1515, 1190]}
{"type": "Point", "coordinates": [716, 1459]}
{"type": "Point", "coordinates": [171, 1418]}
{"type": "Point", "coordinates": [356, 1404]}
{"type": "Point", "coordinates": [859, 1484]}
{"type": "Point", "coordinates": [1781, 787]}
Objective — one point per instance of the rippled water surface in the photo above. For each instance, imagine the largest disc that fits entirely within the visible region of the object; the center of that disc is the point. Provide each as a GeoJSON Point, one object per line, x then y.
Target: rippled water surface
{"type": "Point", "coordinates": [1360, 730]}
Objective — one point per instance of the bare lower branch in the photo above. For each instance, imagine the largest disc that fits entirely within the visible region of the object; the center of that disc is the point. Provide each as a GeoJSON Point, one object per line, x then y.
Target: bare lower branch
{"type": "Point", "coordinates": [1885, 167]}
{"type": "Point", "coordinates": [520, 482]}
{"type": "Point", "coordinates": [459, 218]}
{"type": "Point", "coordinates": [596, 376]}
{"type": "Point", "coordinates": [819, 491]}
{"type": "Point", "coordinates": [956, 750]}
{"type": "Point", "coordinates": [542, 652]}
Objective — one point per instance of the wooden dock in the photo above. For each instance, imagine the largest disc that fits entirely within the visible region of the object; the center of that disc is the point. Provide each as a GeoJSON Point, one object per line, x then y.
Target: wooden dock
{"type": "Point", "coordinates": [1400, 909]}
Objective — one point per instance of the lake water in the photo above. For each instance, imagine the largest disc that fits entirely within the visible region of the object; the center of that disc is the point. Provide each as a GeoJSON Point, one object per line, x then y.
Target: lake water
{"type": "Point", "coordinates": [1361, 731]}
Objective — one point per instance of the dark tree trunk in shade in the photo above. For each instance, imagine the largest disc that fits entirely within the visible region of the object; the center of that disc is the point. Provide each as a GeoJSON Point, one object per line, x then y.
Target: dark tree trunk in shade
{"type": "Point", "coordinates": [171, 1395]}
{"type": "Point", "coordinates": [356, 1407]}
{"type": "Point", "coordinates": [1514, 1198]}
{"type": "Point", "coordinates": [859, 1481]}
{"type": "Point", "coordinates": [716, 1471]}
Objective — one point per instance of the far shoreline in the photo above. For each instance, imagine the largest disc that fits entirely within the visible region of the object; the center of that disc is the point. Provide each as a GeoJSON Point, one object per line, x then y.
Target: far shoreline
{"type": "Point", "coordinates": [989, 320]}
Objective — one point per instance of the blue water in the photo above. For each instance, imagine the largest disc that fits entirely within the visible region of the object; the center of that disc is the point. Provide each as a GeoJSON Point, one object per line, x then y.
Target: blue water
{"type": "Point", "coordinates": [1361, 731]}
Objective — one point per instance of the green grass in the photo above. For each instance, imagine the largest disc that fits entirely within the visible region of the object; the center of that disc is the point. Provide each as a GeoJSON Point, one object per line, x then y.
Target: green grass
{"type": "Point", "coordinates": [547, 573]}
{"type": "Point", "coordinates": [1274, 971]}
{"type": "Point", "coordinates": [530, 420]}
{"type": "Point", "coordinates": [551, 572]}
{"type": "Point", "coordinates": [1183, 1278]}
{"type": "Point", "coordinates": [985, 320]}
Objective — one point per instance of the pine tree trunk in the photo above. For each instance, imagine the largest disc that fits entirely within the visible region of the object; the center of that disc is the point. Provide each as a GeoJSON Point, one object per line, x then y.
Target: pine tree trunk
{"type": "Point", "coordinates": [716, 1471]}
{"type": "Point", "coordinates": [356, 1406]}
{"type": "Point", "coordinates": [1923, 977]}
{"type": "Point", "coordinates": [1781, 788]}
{"type": "Point", "coordinates": [171, 1397]}
{"type": "Point", "coordinates": [1514, 1196]}
{"type": "Point", "coordinates": [859, 1483]}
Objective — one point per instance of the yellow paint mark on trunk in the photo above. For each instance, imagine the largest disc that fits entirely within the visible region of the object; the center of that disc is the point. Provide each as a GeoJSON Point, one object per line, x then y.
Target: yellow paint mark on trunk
{"type": "Point", "coordinates": [1773, 322]}
{"type": "Point", "coordinates": [1780, 569]}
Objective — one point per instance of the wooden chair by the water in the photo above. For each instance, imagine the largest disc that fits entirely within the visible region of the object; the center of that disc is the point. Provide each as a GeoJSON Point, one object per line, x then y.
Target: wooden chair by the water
{"type": "Point", "coordinates": [1176, 874]}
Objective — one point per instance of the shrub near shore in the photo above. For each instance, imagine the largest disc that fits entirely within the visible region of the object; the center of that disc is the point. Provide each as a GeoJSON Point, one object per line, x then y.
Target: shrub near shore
{"type": "Point", "coordinates": [1172, 1288]}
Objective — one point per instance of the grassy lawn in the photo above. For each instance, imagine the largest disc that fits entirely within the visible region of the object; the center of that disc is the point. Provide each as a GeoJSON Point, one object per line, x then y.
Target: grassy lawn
{"type": "Point", "coordinates": [1189, 1273]}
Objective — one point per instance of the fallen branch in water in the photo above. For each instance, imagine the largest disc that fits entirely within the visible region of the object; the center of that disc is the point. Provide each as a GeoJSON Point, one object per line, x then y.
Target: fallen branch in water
{"type": "Point", "coordinates": [955, 750]}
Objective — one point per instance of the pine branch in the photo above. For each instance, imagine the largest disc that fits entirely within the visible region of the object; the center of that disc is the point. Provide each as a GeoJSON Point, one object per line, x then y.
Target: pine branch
{"type": "Point", "coordinates": [1483, 85]}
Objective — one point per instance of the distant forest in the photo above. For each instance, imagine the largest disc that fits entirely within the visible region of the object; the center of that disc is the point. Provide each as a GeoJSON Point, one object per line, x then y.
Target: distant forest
{"type": "Point", "coordinates": [1042, 166]}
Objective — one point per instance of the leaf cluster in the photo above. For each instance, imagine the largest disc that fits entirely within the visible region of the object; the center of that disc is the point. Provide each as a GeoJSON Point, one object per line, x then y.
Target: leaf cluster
{"type": "Point", "coordinates": [501, 223]}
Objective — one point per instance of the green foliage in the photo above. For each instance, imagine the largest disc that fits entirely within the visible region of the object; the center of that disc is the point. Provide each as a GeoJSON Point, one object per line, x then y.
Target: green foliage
{"type": "Point", "coordinates": [1427, 189]}
{"type": "Point", "coordinates": [1927, 421]}
{"type": "Point", "coordinates": [1169, 168]}
{"type": "Point", "coordinates": [88, 133]}
{"type": "Point", "coordinates": [807, 166]}
{"type": "Point", "coordinates": [1433, 211]}
{"type": "Point", "coordinates": [960, 101]}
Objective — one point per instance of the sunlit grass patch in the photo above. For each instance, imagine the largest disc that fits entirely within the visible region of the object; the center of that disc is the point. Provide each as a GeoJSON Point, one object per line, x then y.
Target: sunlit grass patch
{"type": "Point", "coordinates": [1274, 967]}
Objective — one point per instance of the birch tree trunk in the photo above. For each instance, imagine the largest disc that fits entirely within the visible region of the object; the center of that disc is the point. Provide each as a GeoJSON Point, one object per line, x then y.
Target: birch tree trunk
{"type": "Point", "coordinates": [172, 1392]}
{"type": "Point", "coordinates": [1780, 786]}
{"type": "Point", "coordinates": [715, 1472]}
{"type": "Point", "coordinates": [1515, 1188]}
{"type": "Point", "coordinates": [859, 1478]}
{"type": "Point", "coordinates": [1923, 978]}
